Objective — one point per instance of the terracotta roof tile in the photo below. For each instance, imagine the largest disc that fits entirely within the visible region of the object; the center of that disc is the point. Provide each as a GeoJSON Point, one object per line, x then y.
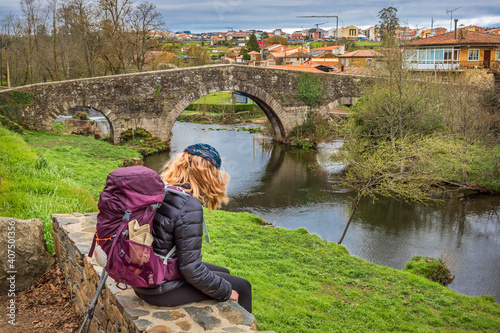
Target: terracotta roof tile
{"type": "Point", "coordinates": [361, 54]}
{"type": "Point", "coordinates": [305, 68]}
{"type": "Point", "coordinates": [326, 48]}
{"type": "Point", "coordinates": [469, 37]}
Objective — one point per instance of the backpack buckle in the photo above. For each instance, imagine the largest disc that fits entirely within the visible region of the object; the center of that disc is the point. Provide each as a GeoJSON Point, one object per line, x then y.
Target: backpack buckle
{"type": "Point", "coordinates": [126, 216]}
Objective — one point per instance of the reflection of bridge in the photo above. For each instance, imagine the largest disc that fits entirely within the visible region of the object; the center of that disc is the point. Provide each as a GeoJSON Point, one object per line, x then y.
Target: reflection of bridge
{"type": "Point", "coordinates": [154, 100]}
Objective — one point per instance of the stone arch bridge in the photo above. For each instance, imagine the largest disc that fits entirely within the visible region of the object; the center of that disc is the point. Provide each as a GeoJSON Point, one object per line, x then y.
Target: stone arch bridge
{"type": "Point", "coordinates": [154, 100]}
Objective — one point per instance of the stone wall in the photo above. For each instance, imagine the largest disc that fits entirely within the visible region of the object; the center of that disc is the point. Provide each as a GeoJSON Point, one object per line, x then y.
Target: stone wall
{"type": "Point", "coordinates": [120, 310]}
{"type": "Point", "coordinates": [154, 100]}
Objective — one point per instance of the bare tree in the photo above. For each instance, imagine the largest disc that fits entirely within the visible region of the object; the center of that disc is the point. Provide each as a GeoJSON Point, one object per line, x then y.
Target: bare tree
{"type": "Point", "coordinates": [113, 48]}
{"type": "Point", "coordinates": [143, 20]}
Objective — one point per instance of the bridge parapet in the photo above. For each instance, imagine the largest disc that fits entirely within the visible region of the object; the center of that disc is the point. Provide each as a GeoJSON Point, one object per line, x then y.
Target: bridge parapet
{"type": "Point", "coordinates": [154, 100]}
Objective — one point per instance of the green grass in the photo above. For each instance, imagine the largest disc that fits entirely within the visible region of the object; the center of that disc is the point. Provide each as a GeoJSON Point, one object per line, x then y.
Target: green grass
{"type": "Point", "coordinates": [89, 160]}
{"type": "Point", "coordinates": [367, 43]}
{"type": "Point", "coordinates": [304, 284]}
{"type": "Point", "coordinates": [300, 282]}
{"type": "Point", "coordinates": [215, 98]}
{"type": "Point", "coordinates": [476, 164]}
{"type": "Point", "coordinates": [56, 174]}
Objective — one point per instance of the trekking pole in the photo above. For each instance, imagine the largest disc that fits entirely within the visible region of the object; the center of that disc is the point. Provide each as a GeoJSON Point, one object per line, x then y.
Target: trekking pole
{"type": "Point", "coordinates": [90, 313]}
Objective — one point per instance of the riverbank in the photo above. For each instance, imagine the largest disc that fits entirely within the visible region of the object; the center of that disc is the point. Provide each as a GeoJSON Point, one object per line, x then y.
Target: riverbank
{"type": "Point", "coordinates": [300, 282]}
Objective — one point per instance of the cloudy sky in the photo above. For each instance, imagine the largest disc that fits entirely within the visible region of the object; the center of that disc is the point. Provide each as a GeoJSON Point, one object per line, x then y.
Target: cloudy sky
{"type": "Point", "coordinates": [219, 15]}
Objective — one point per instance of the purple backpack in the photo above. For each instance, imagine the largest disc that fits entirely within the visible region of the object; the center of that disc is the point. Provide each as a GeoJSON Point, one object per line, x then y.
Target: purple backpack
{"type": "Point", "coordinates": [132, 193]}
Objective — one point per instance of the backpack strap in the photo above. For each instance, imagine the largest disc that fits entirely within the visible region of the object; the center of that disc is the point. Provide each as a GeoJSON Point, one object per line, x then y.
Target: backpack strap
{"type": "Point", "coordinates": [168, 256]}
{"type": "Point", "coordinates": [92, 247]}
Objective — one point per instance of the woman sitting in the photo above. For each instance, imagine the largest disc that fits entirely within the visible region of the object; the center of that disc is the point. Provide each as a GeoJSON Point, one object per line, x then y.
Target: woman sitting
{"type": "Point", "coordinates": [179, 222]}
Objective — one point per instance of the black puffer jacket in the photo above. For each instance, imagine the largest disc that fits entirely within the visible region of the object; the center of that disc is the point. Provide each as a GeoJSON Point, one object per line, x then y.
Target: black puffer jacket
{"type": "Point", "coordinates": [179, 221]}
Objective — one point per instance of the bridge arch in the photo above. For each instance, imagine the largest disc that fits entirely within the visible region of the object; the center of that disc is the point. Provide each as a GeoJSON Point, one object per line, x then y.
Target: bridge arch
{"type": "Point", "coordinates": [325, 109]}
{"type": "Point", "coordinates": [274, 112]}
{"type": "Point", "coordinates": [68, 104]}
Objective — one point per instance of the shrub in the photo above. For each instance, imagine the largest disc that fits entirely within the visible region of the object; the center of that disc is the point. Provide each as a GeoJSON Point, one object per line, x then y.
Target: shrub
{"type": "Point", "coordinates": [138, 134]}
{"type": "Point", "coordinates": [430, 268]}
{"type": "Point", "coordinates": [81, 115]}
{"type": "Point", "coordinates": [11, 125]}
{"type": "Point", "coordinates": [58, 127]}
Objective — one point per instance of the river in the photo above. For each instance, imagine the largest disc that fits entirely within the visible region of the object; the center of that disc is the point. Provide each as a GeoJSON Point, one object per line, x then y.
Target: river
{"type": "Point", "coordinates": [294, 189]}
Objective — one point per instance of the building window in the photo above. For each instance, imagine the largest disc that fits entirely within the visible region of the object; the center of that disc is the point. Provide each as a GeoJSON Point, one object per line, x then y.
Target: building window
{"type": "Point", "coordinates": [497, 55]}
{"type": "Point", "coordinates": [473, 55]}
{"type": "Point", "coordinates": [368, 62]}
{"type": "Point", "coordinates": [352, 32]}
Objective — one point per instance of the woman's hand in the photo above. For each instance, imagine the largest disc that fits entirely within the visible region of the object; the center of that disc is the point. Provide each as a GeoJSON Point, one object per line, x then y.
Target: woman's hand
{"type": "Point", "coordinates": [234, 295]}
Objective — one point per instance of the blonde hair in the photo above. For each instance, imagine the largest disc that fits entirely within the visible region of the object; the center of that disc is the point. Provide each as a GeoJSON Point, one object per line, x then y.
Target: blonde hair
{"type": "Point", "coordinates": [208, 184]}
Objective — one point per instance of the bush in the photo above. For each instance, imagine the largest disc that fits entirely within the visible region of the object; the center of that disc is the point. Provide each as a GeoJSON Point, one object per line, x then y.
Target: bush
{"type": "Point", "coordinates": [81, 115]}
{"type": "Point", "coordinates": [139, 133]}
{"type": "Point", "coordinates": [10, 125]}
{"type": "Point", "coordinates": [58, 127]}
{"type": "Point", "coordinates": [430, 268]}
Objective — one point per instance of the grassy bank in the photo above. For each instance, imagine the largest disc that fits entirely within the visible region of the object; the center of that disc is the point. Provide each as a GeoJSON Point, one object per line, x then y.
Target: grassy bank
{"type": "Point", "coordinates": [217, 108]}
{"type": "Point", "coordinates": [300, 282]}
{"type": "Point", "coordinates": [47, 173]}
{"type": "Point", "coordinates": [304, 284]}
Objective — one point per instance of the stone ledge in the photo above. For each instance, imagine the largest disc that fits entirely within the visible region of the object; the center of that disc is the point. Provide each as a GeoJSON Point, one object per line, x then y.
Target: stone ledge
{"type": "Point", "coordinates": [121, 310]}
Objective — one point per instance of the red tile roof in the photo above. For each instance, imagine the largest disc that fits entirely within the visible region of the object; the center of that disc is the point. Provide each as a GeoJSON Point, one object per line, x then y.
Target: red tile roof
{"type": "Point", "coordinates": [305, 68]}
{"type": "Point", "coordinates": [253, 52]}
{"type": "Point", "coordinates": [326, 48]}
{"type": "Point", "coordinates": [361, 54]}
{"type": "Point", "coordinates": [468, 38]}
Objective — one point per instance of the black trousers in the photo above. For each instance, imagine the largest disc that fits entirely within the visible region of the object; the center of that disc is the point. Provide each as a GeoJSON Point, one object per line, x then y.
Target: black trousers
{"type": "Point", "coordinates": [188, 294]}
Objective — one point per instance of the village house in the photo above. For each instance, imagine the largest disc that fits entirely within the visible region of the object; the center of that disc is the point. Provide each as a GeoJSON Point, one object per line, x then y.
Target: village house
{"type": "Point", "coordinates": [495, 32]}
{"type": "Point", "coordinates": [406, 34]}
{"type": "Point", "coordinates": [255, 56]}
{"type": "Point", "coordinates": [425, 33]}
{"type": "Point", "coordinates": [297, 36]}
{"type": "Point", "coordinates": [334, 49]}
{"type": "Point", "coordinates": [371, 34]}
{"type": "Point", "coordinates": [474, 28]}
{"type": "Point", "coordinates": [316, 33]}
{"type": "Point", "coordinates": [454, 50]}
{"type": "Point", "coordinates": [320, 61]}
{"type": "Point", "coordinates": [215, 40]}
{"type": "Point", "coordinates": [360, 58]}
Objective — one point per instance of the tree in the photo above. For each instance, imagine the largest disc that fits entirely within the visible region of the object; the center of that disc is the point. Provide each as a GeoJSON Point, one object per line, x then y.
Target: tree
{"type": "Point", "coordinates": [244, 53]}
{"type": "Point", "coordinates": [392, 169]}
{"type": "Point", "coordinates": [197, 56]}
{"type": "Point", "coordinates": [253, 44]}
{"type": "Point", "coordinates": [276, 40]}
{"type": "Point", "coordinates": [143, 20]}
{"type": "Point", "coordinates": [310, 89]}
{"type": "Point", "coordinates": [387, 134]}
{"type": "Point", "coordinates": [387, 26]}
{"type": "Point", "coordinates": [113, 45]}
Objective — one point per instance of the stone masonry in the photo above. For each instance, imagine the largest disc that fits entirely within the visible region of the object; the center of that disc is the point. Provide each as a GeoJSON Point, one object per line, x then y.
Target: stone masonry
{"type": "Point", "coordinates": [154, 100]}
{"type": "Point", "coordinates": [120, 310]}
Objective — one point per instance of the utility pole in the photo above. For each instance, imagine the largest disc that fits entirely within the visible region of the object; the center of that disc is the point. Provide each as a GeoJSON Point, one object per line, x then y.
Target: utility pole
{"type": "Point", "coordinates": [450, 11]}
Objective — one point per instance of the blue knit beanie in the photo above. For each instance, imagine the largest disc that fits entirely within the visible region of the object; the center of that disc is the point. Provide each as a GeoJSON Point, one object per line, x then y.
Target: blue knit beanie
{"type": "Point", "coordinates": [207, 152]}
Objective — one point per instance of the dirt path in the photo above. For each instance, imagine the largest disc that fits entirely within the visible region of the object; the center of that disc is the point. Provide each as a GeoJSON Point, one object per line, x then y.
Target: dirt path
{"type": "Point", "coordinates": [45, 306]}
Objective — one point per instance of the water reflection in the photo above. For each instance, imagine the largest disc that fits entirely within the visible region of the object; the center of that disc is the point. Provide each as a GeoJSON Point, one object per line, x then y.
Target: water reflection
{"type": "Point", "coordinates": [284, 188]}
